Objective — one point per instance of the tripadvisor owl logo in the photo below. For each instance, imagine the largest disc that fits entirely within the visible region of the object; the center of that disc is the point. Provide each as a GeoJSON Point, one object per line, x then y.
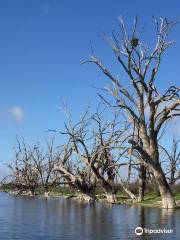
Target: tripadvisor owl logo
{"type": "Point", "coordinates": [138, 231]}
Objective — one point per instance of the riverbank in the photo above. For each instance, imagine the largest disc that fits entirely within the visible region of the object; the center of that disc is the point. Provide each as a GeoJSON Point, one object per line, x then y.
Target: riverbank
{"type": "Point", "coordinates": [150, 200]}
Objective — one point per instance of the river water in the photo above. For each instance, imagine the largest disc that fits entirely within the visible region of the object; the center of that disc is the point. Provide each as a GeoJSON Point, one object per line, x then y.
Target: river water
{"type": "Point", "coordinates": [30, 218]}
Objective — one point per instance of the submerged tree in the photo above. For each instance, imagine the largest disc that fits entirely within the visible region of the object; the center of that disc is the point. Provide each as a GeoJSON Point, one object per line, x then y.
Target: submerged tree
{"type": "Point", "coordinates": [44, 162]}
{"type": "Point", "coordinates": [75, 174]}
{"type": "Point", "coordinates": [139, 98]}
{"type": "Point", "coordinates": [32, 168]}
{"type": "Point", "coordinates": [96, 148]}
{"type": "Point", "coordinates": [23, 172]}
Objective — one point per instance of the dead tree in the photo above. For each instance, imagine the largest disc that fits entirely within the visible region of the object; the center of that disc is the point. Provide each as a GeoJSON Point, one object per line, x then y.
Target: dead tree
{"type": "Point", "coordinates": [135, 162]}
{"type": "Point", "coordinates": [75, 174]}
{"type": "Point", "coordinates": [71, 165]}
{"type": "Point", "coordinates": [110, 138]}
{"type": "Point", "coordinates": [96, 152]}
{"type": "Point", "coordinates": [44, 162]}
{"type": "Point", "coordinates": [139, 98]}
{"type": "Point", "coordinates": [173, 163]}
{"type": "Point", "coordinates": [141, 169]}
{"type": "Point", "coordinates": [23, 172]}
{"type": "Point", "coordinates": [142, 181]}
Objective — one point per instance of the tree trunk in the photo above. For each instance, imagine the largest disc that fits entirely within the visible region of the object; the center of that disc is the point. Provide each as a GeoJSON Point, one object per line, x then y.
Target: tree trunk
{"type": "Point", "coordinates": [86, 197]}
{"type": "Point", "coordinates": [172, 178]}
{"type": "Point", "coordinates": [111, 197]}
{"type": "Point", "coordinates": [142, 182]}
{"type": "Point", "coordinates": [109, 192]}
{"type": "Point", "coordinates": [107, 185]}
{"type": "Point", "coordinates": [30, 192]}
{"type": "Point", "coordinates": [46, 191]}
{"type": "Point", "coordinates": [86, 192]}
{"type": "Point", "coordinates": [167, 198]}
{"type": "Point", "coordinates": [126, 190]}
{"type": "Point", "coordinates": [46, 194]}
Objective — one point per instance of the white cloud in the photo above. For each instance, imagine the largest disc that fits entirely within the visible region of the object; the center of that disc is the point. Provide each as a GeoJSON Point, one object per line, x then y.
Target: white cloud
{"type": "Point", "coordinates": [16, 113]}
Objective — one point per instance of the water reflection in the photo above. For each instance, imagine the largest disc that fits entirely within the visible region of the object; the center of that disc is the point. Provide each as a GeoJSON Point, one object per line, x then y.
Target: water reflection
{"type": "Point", "coordinates": [155, 218]}
{"type": "Point", "coordinates": [37, 218]}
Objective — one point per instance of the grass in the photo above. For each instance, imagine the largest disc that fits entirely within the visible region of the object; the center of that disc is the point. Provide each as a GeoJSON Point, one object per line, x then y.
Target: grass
{"type": "Point", "coordinates": [177, 197]}
{"type": "Point", "coordinates": [151, 199]}
{"type": "Point", "coordinates": [62, 191]}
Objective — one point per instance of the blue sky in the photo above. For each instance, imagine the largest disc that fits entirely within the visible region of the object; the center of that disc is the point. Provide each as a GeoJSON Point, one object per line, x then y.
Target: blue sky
{"type": "Point", "coordinates": [42, 43]}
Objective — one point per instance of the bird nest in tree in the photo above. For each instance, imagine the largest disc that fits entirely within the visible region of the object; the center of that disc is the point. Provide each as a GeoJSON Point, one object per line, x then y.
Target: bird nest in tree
{"type": "Point", "coordinates": [134, 42]}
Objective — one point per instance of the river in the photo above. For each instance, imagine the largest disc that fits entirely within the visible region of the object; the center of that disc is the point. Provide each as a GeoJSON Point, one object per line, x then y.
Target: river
{"type": "Point", "coordinates": [35, 218]}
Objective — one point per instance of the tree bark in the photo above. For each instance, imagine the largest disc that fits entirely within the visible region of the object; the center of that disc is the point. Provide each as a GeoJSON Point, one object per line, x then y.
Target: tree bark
{"type": "Point", "coordinates": [46, 194]}
{"type": "Point", "coordinates": [126, 190]}
{"type": "Point", "coordinates": [109, 192]}
{"type": "Point", "coordinates": [86, 191]}
{"type": "Point", "coordinates": [167, 197]}
{"type": "Point", "coordinates": [152, 157]}
{"type": "Point", "coordinates": [86, 197]}
{"type": "Point", "coordinates": [107, 186]}
{"type": "Point", "coordinates": [111, 197]}
{"type": "Point", "coordinates": [142, 182]}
